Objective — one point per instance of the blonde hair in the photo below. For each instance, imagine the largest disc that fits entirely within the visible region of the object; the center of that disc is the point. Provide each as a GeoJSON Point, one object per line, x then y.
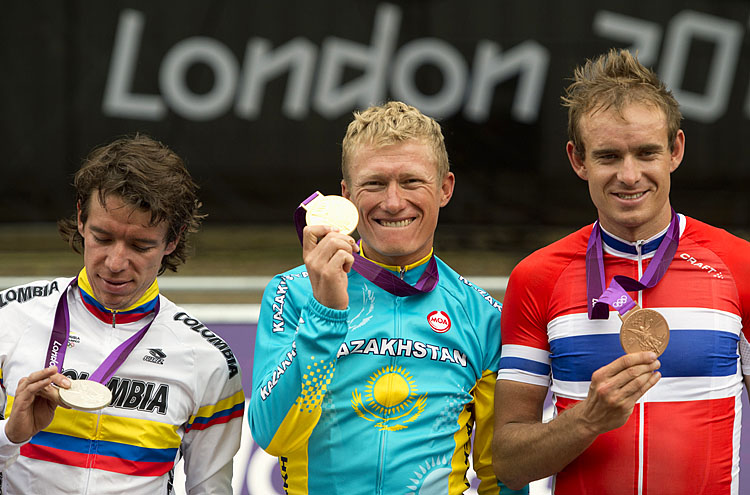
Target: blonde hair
{"type": "Point", "coordinates": [613, 80]}
{"type": "Point", "coordinates": [391, 123]}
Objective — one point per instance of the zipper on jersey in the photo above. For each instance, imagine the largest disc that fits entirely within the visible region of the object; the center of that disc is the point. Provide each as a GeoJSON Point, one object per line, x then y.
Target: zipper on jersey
{"type": "Point", "coordinates": [384, 433]}
{"type": "Point", "coordinates": [641, 403]}
{"type": "Point", "coordinates": [93, 453]}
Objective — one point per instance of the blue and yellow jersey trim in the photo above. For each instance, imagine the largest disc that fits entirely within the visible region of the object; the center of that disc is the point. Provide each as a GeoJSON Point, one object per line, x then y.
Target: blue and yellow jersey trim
{"type": "Point", "coordinates": [135, 312]}
{"type": "Point", "coordinates": [397, 268]}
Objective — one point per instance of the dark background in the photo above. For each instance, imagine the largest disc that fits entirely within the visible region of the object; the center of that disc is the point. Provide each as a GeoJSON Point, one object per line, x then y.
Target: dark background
{"type": "Point", "coordinates": [57, 60]}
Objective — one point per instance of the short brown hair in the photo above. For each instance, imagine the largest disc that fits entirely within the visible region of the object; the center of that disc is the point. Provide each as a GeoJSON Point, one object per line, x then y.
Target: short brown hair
{"type": "Point", "coordinates": [616, 79]}
{"type": "Point", "coordinates": [391, 123]}
{"type": "Point", "coordinates": [146, 174]}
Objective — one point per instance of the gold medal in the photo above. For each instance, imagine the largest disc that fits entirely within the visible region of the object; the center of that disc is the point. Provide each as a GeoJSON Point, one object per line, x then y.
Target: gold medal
{"type": "Point", "coordinates": [644, 330]}
{"type": "Point", "coordinates": [85, 395]}
{"type": "Point", "coordinates": [335, 211]}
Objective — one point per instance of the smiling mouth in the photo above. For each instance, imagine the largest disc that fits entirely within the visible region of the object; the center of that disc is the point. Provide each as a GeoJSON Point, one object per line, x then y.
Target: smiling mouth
{"type": "Point", "coordinates": [630, 196]}
{"type": "Point", "coordinates": [400, 223]}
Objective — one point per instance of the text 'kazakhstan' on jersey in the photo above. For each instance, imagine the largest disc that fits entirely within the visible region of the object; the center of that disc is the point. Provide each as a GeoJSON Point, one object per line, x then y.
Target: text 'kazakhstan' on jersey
{"type": "Point", "coordinates": [381, 398]}
{"type": "Point", "coordinates": [683, 435]}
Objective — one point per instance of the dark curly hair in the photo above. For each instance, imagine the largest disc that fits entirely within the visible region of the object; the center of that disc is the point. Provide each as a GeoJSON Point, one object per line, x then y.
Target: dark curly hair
{"type": "Point", "coordinates": [146, 174]}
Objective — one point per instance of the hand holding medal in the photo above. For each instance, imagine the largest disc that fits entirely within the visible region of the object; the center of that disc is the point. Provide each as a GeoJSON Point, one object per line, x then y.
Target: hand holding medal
{"type": "Point", "coordinates": [328, 255]}
{"type": "Point", "coordinates": [342, 214]}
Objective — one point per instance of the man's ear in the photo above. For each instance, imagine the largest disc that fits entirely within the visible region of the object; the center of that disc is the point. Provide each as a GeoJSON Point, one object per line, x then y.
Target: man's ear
{"type": "Point", "coordinates": [344, 190]}
{"type": "Point", "coordinates": [449, 182]}
{"type": "Point", "coordinates": [78, 216]}
{"type": "Point", "coordinates": [576, 161]}
{"type": "Point", "coordinates": [678, 151]}
{"type": "Point", "coordinates": [171, 246]}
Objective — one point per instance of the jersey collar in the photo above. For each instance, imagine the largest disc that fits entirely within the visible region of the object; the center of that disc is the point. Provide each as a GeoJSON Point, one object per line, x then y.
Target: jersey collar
{"type": "Point", "coordinates": [135, 312]}
{"type": "Point", "coordinates": [396, 268]}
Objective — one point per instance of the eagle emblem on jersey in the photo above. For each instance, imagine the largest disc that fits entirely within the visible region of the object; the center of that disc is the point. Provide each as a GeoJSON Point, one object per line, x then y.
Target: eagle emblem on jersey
{"type": "Point", "coordinates": [391, 399]}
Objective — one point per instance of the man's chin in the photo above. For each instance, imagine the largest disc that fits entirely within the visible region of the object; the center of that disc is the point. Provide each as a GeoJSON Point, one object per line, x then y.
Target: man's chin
{"type": "Point", "coordinates": [115, 303]}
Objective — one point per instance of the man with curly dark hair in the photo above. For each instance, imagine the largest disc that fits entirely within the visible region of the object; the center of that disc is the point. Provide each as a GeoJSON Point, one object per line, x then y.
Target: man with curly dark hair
{"type": "Point", "coordinates": [171, 387]}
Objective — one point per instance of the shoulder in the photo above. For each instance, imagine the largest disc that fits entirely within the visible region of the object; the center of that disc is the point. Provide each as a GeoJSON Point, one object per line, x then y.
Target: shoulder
{"type": "Point", "coordinates": [732, 251]}
{"type": "Point", "coordinates": [33, 296]}
{"type": "Point", "coordinates": [295, 280]}
{"type": "Point", "coordinates": [464, 291]}
{"type": "Point", "coordinates": [545, 264]}
{"type": "Point", "coordinates": [715, 238]}
{"type": "Point", "coordinates": [209, 348]}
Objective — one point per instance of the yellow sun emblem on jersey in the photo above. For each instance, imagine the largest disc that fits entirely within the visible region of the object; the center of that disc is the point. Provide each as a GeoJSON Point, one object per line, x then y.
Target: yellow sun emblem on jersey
{"type": "Point", "coordinates": [390, 399]}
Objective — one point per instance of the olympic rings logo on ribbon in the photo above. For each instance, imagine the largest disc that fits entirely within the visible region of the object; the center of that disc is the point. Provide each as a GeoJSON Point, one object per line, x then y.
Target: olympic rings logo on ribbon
{"type": "Point", "coordinates": [620, 301]}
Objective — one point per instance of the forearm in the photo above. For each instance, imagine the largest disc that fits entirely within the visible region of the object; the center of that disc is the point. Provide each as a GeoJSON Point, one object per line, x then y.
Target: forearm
{"type": "Point", "coordinates": [284, 377]}
{"type": "Point", "coordinates": [525, 452]}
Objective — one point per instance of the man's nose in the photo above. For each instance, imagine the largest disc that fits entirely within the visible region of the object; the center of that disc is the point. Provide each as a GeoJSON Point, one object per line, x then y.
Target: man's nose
{"type": "Point", "coordinates": [394, 198]}
{"type": "Point", "coordinates": [629, 172]}
{"type": "Point", "coordinates": [117, 258]}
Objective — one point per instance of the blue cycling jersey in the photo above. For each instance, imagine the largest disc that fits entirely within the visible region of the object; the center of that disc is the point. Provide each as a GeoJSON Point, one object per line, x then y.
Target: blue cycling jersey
{"type": "Point", "coordinates": [382, 397]}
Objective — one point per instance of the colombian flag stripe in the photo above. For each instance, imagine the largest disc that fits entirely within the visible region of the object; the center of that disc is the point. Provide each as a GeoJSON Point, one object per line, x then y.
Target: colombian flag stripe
{"type": "Point", "coordinates": [227, 409]}
{"type": "Point", "coordinates": [142, 307]}
{"type": "Point", "coordinates": [228, 403]}
{"type": "Point", "coordinates": [218, 418]}
{"type": "Point", "coordinates": [143, 433]}
{"type": "Point", "coordinates": [71, 444]}
{"type": "Point", "coordinates": [104, 463]}
{"type": "Point", "coordinates": [118, 430]}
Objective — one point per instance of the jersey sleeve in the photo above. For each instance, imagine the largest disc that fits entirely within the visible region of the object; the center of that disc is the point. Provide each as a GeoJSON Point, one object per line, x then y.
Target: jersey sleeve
{"type": "Point", "coordinates": [735, 252]}
{"type": "Point", "coordinates": [9, 331]}
{"type": "Point", "coordinates": [212, 434]}
{"type": "Point", "coordinates": [525, 348]}
{"type": "Point", "coordinates": [295, 357]}
{"type": "Point", "coordinates": [486, 314]}
{"type": "Point", "coordinates": [8, 450]}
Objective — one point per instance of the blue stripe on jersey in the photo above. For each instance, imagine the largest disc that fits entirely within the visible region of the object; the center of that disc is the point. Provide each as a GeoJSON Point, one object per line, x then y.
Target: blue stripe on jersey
{"type": "Point", "coordinates": [574, 359]}
{"type": "Point", "coordinates": [700, 353]}
{"type": "Point", "coordinates": [219, 414]}
{"type": "Point", "coordinates": [114, 449]}
{"type": "Point", "coordinates": [528, 365]}
{"type": "Point", "coordinates": [648, 247]}
{"type": "Point", "coordinates": [689, 353]}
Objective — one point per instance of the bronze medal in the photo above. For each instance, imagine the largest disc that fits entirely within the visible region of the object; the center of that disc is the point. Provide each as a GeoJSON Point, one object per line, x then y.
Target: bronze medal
{"type": "Point", "coordinates": [644, 330]}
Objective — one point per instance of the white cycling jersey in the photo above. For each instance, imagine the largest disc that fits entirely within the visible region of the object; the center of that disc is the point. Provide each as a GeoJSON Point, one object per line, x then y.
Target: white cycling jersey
{"type": "Point", "coordinates": [178, 393]}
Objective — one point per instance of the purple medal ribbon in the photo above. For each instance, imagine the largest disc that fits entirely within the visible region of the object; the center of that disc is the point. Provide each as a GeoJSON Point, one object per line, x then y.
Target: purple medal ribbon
{"type": "Point", "coordinates": [59, 341]}
{"type": "Point", "coordinates": [383, 278]}
{"type": "Point", "coordinates": [616, 294]}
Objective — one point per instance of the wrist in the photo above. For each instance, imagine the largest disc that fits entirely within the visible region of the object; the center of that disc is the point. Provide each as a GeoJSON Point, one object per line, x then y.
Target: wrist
{"type": "Point", "coordinates": [11, 436]}
{"type": "Point", "coordinates": [582, 423]}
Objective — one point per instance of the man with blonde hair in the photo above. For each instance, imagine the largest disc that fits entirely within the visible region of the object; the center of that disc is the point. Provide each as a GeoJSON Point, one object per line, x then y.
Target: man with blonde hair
{"type": "Point", "coordinates": [647, 402]}
{"type": "Point", "coordinates": [374, 362]}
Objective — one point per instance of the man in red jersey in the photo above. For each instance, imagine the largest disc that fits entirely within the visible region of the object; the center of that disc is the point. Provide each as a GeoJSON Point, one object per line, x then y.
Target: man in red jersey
{"type": "Point", "coordinates": [633, 423]}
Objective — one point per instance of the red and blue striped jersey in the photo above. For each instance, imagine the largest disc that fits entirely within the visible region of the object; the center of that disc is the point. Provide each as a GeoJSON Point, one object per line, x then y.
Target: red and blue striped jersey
{"type": "Point", "coordinates": [683, 435]}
